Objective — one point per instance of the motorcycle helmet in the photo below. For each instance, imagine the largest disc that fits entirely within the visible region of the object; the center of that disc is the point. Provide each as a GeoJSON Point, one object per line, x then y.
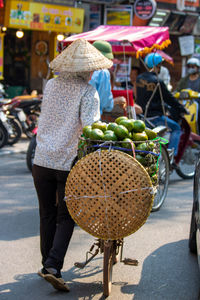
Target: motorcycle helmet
{"type": "Point", "coordinates": [105, 48]}
{"type": "Point", "coordinates": [193, 61]}
{"type": "Point", "coordinates": [152, 60]}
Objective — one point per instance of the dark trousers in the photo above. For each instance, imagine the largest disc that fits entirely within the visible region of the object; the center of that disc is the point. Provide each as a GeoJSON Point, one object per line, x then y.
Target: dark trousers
{"type": "Point", "coordinates": [56, 224]}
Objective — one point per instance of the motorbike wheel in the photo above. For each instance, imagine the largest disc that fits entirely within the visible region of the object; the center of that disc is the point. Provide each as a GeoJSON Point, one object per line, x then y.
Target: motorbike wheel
{"type": "Point", "coordinates": [163, 180]}
{"type": "Point", "coordinates": [32, 122]}
{"type": "Point", "coordinates": [186, 166]}
{"type": "Point", "coordinates": [15, 131]}
{"type": "Point", "coordinates": [3, 135]}
{"type": "Point", "coordinates": [31, 153]}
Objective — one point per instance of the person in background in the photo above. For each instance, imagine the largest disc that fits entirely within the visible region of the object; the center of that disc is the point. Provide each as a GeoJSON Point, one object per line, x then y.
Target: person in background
{"type": "Point", "coordinates": [135, 71]}
{"type": "Point", "coordinates": [192, 79]}
{"type": "Point", "coordinates": [163, 74]}
{"type": "Point", "coordinates": [146, 84]}
{"type": "Point", "coordinates": [69, 103]}
{"type": "Point", "coordinates": [101, 78]}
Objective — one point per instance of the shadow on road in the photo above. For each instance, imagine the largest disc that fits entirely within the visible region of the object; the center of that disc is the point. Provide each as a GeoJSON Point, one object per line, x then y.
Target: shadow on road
{"type": "Point", "coordinates": [170, 280]}
{"type": "Point", "coordinates": [31, 286]}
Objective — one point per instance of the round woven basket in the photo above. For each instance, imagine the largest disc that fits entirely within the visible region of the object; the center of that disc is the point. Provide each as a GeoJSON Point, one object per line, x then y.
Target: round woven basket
{"type": "Point", "coordinates": [109, 194]}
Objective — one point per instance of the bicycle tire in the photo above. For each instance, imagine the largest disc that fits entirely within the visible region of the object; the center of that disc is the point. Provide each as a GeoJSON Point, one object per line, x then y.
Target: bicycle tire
{"type": "Point", "coordinates": [163, 180]}
{"type": "Point", "coordinates": [108, 262]}
{"type": "Point", "coordinates": [31, 153]}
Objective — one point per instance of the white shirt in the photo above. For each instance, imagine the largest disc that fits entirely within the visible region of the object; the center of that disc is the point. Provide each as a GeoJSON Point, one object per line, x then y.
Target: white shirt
{"type": "Point", "coordinates": [69, 103]}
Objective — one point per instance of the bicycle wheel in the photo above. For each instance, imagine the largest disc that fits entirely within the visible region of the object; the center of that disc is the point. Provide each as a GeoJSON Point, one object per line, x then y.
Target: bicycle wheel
{"type": "Point", "coordinates": [186, 166]}
{"type": "Point", "coordinates": [163, 180]}
{"type": "Point", "coordinates": [31, 153]}
{"type": "Point", "coordinates": [108, 261]}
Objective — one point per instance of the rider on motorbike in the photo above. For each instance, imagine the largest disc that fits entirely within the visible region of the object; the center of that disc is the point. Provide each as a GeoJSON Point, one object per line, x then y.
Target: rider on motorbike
{"type": "Point", "coordinates": [153, 95]}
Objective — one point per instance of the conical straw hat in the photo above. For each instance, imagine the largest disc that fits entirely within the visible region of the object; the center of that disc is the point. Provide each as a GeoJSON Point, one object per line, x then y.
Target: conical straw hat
{"type": "Point", "coordinates": [80, 56]}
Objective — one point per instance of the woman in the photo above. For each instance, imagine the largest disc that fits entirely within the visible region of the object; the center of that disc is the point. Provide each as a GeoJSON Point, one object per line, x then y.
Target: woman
{"type": "Point", "coordinates": [69, 103]}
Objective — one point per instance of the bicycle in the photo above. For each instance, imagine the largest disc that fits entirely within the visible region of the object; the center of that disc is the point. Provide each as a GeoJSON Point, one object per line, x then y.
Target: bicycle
{"type": "Point", "coordinates": [109, 200]}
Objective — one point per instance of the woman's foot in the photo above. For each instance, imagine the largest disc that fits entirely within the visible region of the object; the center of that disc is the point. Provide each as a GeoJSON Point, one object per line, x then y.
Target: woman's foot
{"type": "Point", "coordinates": [58, 283]}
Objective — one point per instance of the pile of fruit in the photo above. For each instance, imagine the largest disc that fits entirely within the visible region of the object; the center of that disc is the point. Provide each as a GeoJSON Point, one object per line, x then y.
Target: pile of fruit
{"type": "Point", "coordinates": [125, 135]}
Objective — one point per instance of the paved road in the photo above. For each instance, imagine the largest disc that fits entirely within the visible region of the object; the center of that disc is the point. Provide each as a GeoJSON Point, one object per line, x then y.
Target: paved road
{"type": "Point", "coordinates": [166, 271]}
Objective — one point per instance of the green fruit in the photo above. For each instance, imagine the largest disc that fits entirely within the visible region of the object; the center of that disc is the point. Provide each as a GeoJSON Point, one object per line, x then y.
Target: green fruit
{"type": "Point", "coordinates": [151, 134]}
{"type": "Point", "coordinates": [141, 159]}
{"type": "Point", "coordinates": [108, 132]}
{"type": "Point", "coordinates": [127, 123]}
{"type": "Point", "coordinates": [143, 147]}
{"type": "Point", "coordinates": [109, 135]}
{"type": "Point", "coordinates": [152, 169]}
{"type": "Point", "coordinates": [112, 126]}
{"type": "Point", "coordinates": [151, 146]}
{"type": "Point", "coordinates": [127, 143]}
{"type": "Point", "coordinates": [87, 130]}
{"type": "Point", "coordinates": [139, 136]}
{"type": "Point", "coordinates": [138, 126]}
{"type": "Point", "coordinates": [96, 134]}
{"type": "Point", "coordinates": [120, 118]}
{"type": "Point", "coordinates": [99, 125]}
{"type": "Point", "coordinates": [121, 132]}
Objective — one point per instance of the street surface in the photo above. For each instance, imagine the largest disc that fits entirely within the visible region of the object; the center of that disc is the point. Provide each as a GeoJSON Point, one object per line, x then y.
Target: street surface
{"type": "Point", "coordinates": [166, 270]}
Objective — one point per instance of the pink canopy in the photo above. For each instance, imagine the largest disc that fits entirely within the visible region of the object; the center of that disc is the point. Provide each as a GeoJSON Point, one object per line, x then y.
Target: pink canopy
{"type": "Point", "coordinates": [135, 40]}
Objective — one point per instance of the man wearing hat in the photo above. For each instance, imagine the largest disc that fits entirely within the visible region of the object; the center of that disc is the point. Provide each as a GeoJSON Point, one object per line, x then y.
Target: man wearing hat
{"type": "Point", "coordinates": [101, 78]}
{"type": "Point", "coordinates": [69, 103]}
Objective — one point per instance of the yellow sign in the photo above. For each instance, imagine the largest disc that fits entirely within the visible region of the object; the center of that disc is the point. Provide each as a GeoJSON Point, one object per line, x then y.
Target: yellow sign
{"type": "Point", "coordinates": [45, 17]}
{"type": "Point", "coordinates": [1, 56]}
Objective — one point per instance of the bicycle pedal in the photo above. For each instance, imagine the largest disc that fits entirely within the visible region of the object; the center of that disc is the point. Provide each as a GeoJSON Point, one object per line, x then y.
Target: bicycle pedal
{"type": "Point", "coordinates": [79, 265]}
{"type": "Point", "coordinates": [131, 262]}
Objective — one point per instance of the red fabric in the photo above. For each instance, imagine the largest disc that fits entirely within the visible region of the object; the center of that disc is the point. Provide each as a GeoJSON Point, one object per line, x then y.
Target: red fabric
{"type": "Point", "coordinates": [1, 3]}
{"type": "Point", "coordinates": [128, 94]}
{"type": "Point", "coordinates": [138, 38]}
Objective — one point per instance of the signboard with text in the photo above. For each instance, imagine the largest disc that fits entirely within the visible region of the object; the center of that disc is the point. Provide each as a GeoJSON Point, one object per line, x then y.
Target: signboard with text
{"type": "Point", "coordinates": [45, 17]}
{"type": "Point", "coordinates": [144, 9]}
{"type": "Point", "coordinates": [118, 15]}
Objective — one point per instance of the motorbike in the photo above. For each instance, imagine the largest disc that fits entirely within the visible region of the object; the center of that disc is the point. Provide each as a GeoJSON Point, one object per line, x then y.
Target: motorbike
{"type": "Point", "coordinates": [189, 145]}
{"type": "Point", "coordinates": [25, 110]}
{"type": "Point", "coordinates": [191, 100]}
{"type": "Point", "coordinates": [10, 130]}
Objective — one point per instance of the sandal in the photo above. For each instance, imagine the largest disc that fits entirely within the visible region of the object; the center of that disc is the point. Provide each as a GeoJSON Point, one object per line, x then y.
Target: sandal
{"type": "Point", "coordinates": [58, 283]}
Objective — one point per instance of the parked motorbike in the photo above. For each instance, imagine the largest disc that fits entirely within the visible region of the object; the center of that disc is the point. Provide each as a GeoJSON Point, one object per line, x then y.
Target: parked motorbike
{"type": "Point", "coordinates": [25, 110]}
{"type": "Point", "coordinates": [10, 124]}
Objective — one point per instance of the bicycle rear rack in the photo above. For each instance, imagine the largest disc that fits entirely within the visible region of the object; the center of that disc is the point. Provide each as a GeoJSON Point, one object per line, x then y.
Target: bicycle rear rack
{"type": "Point", "coordinates": [100, 246]}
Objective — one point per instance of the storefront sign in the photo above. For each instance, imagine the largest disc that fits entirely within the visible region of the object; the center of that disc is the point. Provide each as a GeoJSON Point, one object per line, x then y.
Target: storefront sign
{"type": "Point", "coordinates": [118, 15]}
{"type": "Point", "coordinates": [46, 17]}
{"type": "Point", "coordinates": [183, 5]}
{"type": "Point", "coordinates": [144, 9]}
{"type": "Point", "coordinates": [1, 56]}
{"type": "Point", "coordinates": [186, 44]}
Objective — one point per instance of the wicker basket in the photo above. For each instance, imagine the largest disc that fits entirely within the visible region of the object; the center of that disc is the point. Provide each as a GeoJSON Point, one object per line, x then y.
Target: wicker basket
{"type": "Point", "coordinates": [150, 158]}
{"type": "Point", "coordinates": [109, 194]}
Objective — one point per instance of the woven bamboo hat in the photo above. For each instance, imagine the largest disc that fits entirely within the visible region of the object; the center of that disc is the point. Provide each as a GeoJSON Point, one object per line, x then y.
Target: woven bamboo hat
{"type": "Point", "coordinates": [80, 56]}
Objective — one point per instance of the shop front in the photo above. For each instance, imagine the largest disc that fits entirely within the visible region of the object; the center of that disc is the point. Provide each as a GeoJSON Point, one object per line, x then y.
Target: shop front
{"type": "Point", "coordinates": [30, 41]}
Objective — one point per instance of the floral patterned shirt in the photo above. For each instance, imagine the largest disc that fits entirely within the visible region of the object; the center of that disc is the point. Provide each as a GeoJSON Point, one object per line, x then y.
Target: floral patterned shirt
{"type": "Point", "coordinates": [69, 103]}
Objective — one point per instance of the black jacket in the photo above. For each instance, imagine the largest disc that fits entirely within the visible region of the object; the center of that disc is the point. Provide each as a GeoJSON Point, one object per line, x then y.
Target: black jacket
{"type": "Point", "coordinates": [145, 84]}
